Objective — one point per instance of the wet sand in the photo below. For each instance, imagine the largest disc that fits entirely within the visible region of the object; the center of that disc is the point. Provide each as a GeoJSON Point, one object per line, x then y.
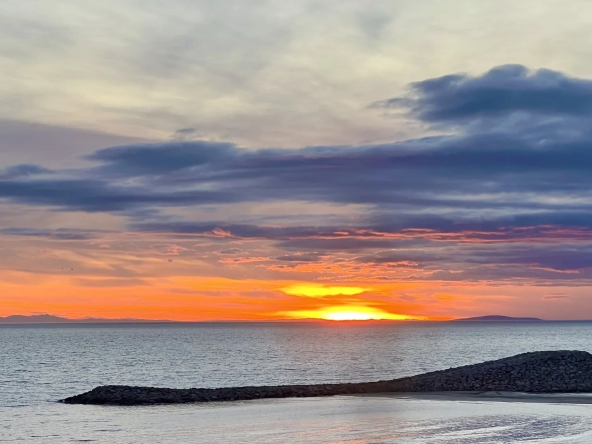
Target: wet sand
{"type": "Point", "coordinates": [548, 398]}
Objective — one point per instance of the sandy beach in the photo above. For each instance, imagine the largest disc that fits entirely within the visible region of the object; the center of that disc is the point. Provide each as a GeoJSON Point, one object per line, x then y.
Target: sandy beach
{"type": "Point", "coordinates": [546, 398]}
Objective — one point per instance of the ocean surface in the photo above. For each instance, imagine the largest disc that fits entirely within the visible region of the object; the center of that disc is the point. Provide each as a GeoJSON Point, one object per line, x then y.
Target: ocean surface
{"type": "Point", "coordinates": [40, 364]}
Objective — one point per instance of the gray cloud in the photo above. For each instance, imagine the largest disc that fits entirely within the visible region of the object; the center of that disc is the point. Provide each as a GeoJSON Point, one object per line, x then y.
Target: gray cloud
{"type": "Point", "coordinates": [503, 90]}
{"type": "Point", "coordinates": [536, 173]}
{"type": "Point", "coordinates": [139, 160]}
{"type": "Point", "coordinates": [230, 251]}
{"type": "Point", "coordinates": [23, 170]}
{"type": "Point", "coordinates": [66, 234]}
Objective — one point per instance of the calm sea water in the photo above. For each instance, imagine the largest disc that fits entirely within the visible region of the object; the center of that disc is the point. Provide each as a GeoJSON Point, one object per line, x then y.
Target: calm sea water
{"type": "Point", "coordinates": [42, 364]}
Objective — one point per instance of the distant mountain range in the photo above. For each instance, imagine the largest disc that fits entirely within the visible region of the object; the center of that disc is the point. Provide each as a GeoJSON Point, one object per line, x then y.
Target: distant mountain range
{"type": "Point", "coordinates": [50, 319]}
{"type": "Point", "coordinates": [497, 318]}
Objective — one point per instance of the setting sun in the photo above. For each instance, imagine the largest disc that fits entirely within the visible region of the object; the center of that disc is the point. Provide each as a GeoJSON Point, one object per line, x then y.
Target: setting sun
{"type": "Point", "coordinates": [351, 313]}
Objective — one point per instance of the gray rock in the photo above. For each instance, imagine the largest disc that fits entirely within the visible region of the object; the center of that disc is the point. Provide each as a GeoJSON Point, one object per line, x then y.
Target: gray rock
{"type": "Point", "coordinates": [535, 372]}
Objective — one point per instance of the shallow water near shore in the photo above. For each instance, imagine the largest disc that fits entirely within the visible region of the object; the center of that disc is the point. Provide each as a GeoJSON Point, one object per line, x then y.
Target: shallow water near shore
{"type": "Point", "coordinates": [41, 364]}
{"type": "Point", "coordinates": [340, 419]}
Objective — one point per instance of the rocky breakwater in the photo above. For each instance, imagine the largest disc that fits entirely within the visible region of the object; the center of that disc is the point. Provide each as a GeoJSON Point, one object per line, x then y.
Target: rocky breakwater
{"type": "Point", "coordinates": [535, 372]}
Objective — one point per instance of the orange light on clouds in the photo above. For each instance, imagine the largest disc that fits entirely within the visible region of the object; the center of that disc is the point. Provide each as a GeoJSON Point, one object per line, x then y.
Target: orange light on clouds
{"type": "Point", "coordinates": [351, 313]}
{"type": "Point", "coordinates": [321, 291]}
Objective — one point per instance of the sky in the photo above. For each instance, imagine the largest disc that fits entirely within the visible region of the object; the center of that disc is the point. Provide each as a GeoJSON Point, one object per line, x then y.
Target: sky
{"type": "Point", "coordinates": [224, 160]}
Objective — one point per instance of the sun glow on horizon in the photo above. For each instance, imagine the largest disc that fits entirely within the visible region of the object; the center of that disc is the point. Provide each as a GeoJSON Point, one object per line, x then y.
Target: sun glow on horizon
{"type": "Point", "coordinates": [351, 313]}
{"type": "Point", "coordinates": [321, 291]}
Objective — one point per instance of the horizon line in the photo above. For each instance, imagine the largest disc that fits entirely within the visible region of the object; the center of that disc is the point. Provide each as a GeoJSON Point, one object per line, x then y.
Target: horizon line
{"type": "Point", "coordinates": [100, 320]}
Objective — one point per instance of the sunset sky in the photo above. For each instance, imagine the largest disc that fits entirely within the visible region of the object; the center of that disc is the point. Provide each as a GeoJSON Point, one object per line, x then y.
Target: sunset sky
{"type": "Point", "coordinates": [273, 159]}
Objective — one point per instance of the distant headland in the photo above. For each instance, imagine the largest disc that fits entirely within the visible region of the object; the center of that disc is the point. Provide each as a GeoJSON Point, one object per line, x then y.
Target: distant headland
{"type": "Point", "coordinates": [497, 318]}
{"type": "Point", "coordinates": [50, 319]}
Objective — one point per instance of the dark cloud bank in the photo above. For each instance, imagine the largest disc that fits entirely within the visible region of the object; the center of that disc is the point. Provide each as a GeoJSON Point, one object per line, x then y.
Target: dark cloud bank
{"type": "Point", "coordinates": [513, 166]}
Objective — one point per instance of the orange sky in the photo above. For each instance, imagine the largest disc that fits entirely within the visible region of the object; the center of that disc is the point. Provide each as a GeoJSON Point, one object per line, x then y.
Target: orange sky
{"type": "Point", "coordinates": [202, 299]}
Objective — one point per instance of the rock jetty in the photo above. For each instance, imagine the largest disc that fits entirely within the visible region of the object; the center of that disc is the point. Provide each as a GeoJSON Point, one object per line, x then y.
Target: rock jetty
{"type": "Point", "coordinates": [535, 372]}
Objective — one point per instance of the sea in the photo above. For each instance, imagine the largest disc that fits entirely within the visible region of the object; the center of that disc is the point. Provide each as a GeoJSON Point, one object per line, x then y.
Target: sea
{"type": "Point", "coordinates": [41, 364]}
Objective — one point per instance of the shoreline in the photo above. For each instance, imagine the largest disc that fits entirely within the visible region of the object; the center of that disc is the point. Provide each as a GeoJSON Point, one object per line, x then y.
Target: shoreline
{"type": "Point", "coordinates": [494, 396]}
